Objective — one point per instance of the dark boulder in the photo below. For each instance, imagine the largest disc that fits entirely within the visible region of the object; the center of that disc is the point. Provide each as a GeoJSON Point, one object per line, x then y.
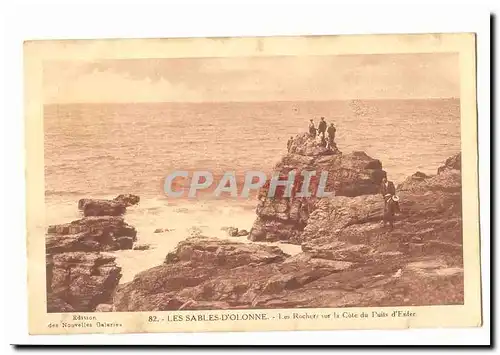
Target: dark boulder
{"type": "Point", "coordinates": [142, 247]}
{"type": "Point", "coordinates": [103, 233]}
{"type": "Point", "coordinates": [102, 207]}
{"type": "Point", "coordinates": [128, 199]}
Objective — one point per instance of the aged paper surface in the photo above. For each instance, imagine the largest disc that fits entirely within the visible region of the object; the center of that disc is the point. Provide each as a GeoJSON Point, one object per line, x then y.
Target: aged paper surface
{"type": "Point", "coordinates": [146, 210]}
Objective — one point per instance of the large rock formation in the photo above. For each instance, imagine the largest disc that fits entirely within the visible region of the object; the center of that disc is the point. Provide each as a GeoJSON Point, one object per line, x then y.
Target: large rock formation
{"type": "Point", "coordinates": [79, 281]}
{"type": "Point", "coordinates": [91, 234]}
{"type": "Point", "coordinates": [284, 218]}
{"type": "Point", "coordinates": [101, 207]}
{"type": "Point", "coordinates": [79, 277]}
{"type": "Point", "coordinates": [348, 258]}
{"type": "Point", "coordinates": [195, 261]}
{"type": "Point", "coordinates": [420, 262]}
{"type": "Point", "coordinates": [429, 222]}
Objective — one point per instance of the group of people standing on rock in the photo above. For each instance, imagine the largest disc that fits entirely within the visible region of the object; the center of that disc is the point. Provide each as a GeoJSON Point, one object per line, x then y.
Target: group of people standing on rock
{"type": "Point", "coordinates": [322, 130]}
{"type": "Point", "coordinates": [387, 188]}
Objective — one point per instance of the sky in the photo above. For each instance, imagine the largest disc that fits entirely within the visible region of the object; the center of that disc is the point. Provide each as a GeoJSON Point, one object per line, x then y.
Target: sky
{"type": "Point", "coordinates": [287, 78]}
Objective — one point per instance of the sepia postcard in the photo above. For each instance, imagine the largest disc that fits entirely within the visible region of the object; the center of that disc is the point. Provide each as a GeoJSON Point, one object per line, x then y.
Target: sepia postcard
{"type": "Point", "coordinates": [252, 184]}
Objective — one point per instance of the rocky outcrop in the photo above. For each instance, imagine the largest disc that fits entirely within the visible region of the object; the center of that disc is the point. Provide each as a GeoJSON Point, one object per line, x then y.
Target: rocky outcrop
{"type": "Point", "coordinates": [104, 233]}
{"type": "Point", "coordinates": [79, 277]}
{"type": "Point", "coordinates": [305, 145]}
{"type": "Point", "coordinates": [235, 232]}
{"type": "Point", "coordinates": [161, 230]}
{"type": "Point", "coordinates": [284, 218]}
{"type": "Point", "coordinates": [430, 215]}
{"type": "Point", "coordinates": [452, 163]}
{"type": "Point", "coordinates": [78, 281]}
{"type": "Point", "coordinates": [348, 258]}
{"type": "Point", "coordinates": [243, 233]}
{"type": "Point", "coordinates": [195, 261]}
{"type": "Point", "coordinates": [142, 247]}
{"type": "Point", "coordinates": [447, 179]}
{"type": "Point", "coordinates": [101, 207]}
{"type": "Point", "coordinates": [228, 254]}
{"type": "Point", "coordinates": [128, 199]}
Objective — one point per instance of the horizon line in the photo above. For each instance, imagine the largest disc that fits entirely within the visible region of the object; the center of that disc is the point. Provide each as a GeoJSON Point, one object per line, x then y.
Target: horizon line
{"type": "Point", "coordinates": [249, 101]}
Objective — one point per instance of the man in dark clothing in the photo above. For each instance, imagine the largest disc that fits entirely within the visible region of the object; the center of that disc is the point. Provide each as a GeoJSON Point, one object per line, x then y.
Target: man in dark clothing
{"type": "Point", "coordinates": [322, 127]}
{"type": "Point", "coordinates": [387, 188]}
{"type": "Point", "coordinates": [312, 129]}
{"type": "Point", "coordinates": [331, 134]}
{"type": "Point", "coordinates": [391, 204]}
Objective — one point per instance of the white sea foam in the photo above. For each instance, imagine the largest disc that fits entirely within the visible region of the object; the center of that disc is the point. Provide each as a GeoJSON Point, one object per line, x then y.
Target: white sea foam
{"type": "Point", "coordinates": [182, 219]}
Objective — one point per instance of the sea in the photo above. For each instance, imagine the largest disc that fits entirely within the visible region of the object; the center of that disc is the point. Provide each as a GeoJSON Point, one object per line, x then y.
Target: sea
{"type": "Point", "coordinates": [97, 150]}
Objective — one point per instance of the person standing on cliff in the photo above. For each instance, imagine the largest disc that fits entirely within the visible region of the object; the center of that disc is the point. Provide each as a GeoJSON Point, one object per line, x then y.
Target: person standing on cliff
{"type": "Point", "coordinates": [312, 128]}
{"type": "Point", "coordinates": [331, 134]}
{"type": "Point", "coordinates": [391, 205]}
{"type": "Point", "coordinates": [322, 128]}
{"type": "Point", "coordinates": [387, 187]}
{"type": "Point", "coordinates": [289, 144]}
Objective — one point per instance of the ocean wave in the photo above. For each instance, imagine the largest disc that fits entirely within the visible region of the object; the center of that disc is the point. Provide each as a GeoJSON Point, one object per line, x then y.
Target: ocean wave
{"type": "Point", "coordinates": [63, 193]}
{"type": "Point", "coordinates": [100, 158]}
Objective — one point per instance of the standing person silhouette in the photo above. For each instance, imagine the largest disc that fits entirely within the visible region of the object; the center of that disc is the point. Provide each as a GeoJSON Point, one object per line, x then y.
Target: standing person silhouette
{"type": "Point", "coordinates": [322, 128]}
{"type": "Point", "coordinates": [289, 143]}
{"type": "Point", "coordinates": [312, 128]}
{"type": "Point", "coordinates": [391, 201]}
{"type": "Point", "coordinates": [331, 134]}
